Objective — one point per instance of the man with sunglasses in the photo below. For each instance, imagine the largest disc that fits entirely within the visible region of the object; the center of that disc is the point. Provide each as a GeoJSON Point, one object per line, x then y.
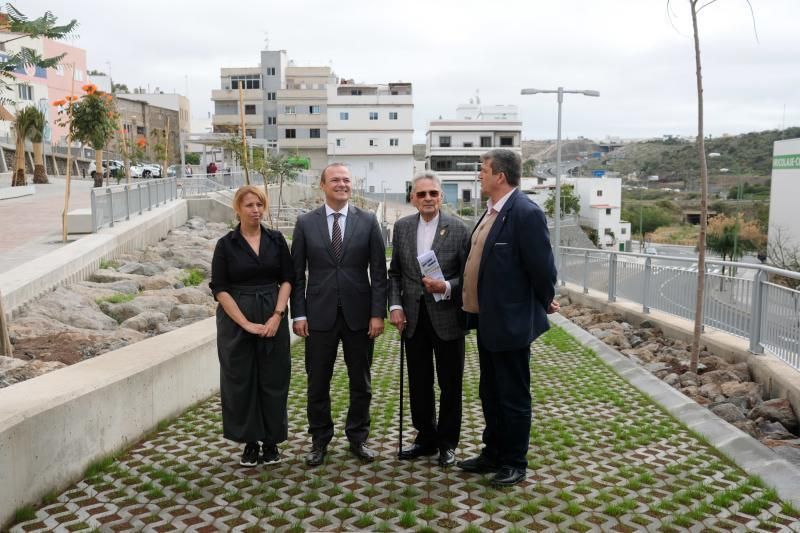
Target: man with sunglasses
{"type": "Point", "coordinates": [427, 311]}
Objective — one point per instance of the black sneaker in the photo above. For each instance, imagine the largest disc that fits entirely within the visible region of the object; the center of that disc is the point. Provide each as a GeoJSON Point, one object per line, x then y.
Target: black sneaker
{"type": "Point", "coordinates": [270, 454]}
{"type": "Point", "coordinates": [250, 455]}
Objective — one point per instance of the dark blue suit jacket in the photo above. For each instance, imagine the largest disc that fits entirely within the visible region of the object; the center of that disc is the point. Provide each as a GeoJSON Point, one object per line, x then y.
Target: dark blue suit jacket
{"type": "Point", "coordinates": [517, 277]}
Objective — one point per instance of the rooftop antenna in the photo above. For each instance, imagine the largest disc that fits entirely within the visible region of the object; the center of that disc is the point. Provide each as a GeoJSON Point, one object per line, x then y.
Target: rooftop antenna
{"type": "Point", "coordinates": [266, 40]}
{"type": "Point", "coordinates": [477, 96]}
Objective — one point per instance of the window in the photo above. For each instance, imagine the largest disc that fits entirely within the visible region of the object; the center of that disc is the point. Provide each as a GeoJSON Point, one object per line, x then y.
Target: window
{"type": "Point", "coordinates": [467, 145]}
{"type": "Point", "coordinates": [600, 192]}
{"type": "Point", "coordinates": [373, 142]}
{"type": "Point", "coordinates": [466, 196]}
{"type": "Point", "coordinates": [291, 133]}
{"type": "Point", "coordinates": [339, 142]}
{"type": "Point", "coordinates": [289, 110]}
{"type": "Point", "coordinates": [249, 109]}
{"type": "Point", "coordinates": [270, 96]}
{"type": "Point", "coordinates": [355, 92]}
{"type": "Point", "coordinates": [623, 231]}
{"type": "Point", "coordinates": [372, 165]}
{"type": "Point", "coordinates": [486, 142]}
{"type": "Point", "coordinates": [25, 92]}
{"type": "Point", "coordinates": [314, 133]}
{"type": "Point", "coordinates": [607, 231]}
{"type": "Point", "coordinates": [78, 75]}
{"type": "Point", "coordinates": [250, 133]}
{"type": "Point", "coordinates": [313, 109]}
{"type": "Point", "coordinates": [443, 165]}
{"type": "Point", "coordinates": [608, 211]}
{"type": "Point", "coordinates": [139, 130]}
{"type": "Point", "coordinates": [373, 115]}
{"type": "Point", "coordinates": [60, 70]}
{"type": "Point", "coordinates": [271, 121]}
{"type": "Point", "coordinates": [394, 142]}
{"type": "Point", "coordinates": [506, 141]}
{"type": "Point", "coordinates": [444, 141]}
{"type": "Point", "coordinates": [270, 71]}
{"type": "Point", "coordinates": [246, 81]}
{"type": "Point", "coordinates": [393, 116]}
{"type": "Point", "coordinates": [344, 115]}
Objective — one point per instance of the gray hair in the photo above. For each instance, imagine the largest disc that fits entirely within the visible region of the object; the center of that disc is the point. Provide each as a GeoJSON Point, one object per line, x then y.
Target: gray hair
{"type": "Point", "coordinates": [426, 175]}
{"type": "Point", "coordinates": [506, 161]}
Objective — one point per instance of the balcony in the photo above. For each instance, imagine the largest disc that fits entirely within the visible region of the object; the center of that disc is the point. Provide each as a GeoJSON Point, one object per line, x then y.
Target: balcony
{"type": "Point", "coordinates": [233, 120]}
{"type": "Point", "coordinates": [303, 143]}
{"type": "Point", "coordinates": [303, 119]}
{"type": "Point", "coordinates": [233, 94]}
{"type": "Point", "coordinates": [302, 94]}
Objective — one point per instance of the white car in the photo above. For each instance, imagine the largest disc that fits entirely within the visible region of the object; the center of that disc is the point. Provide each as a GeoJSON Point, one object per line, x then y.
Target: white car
{"type": "Point", "coordinates": [145, 170]}
{"type": "Point", "coordinates": [117, 167]}
{"type": "Point", "coordinates": [651, 250]}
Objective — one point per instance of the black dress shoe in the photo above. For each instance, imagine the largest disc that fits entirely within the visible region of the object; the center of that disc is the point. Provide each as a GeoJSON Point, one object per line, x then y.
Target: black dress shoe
{"type": "Point", "coordinates": [361, 451]}
{"type": "Point", "coordinates": [507, 476]}
{"type": "Point", "coordinates": [478, 465]}
{"type": "Point", "coordinates": [416, 451]}
{"type": "Point", "coordinates": [317, 455]}
{"type": "Point", "coordinates": [447, 457]}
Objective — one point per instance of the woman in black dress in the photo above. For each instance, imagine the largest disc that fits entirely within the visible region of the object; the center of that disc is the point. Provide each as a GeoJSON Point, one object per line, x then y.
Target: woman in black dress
{"type": "Point", "coordinates": [251, 275]}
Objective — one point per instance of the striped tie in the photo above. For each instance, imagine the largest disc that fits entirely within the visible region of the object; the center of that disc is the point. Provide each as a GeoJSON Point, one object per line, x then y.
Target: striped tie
{"type": "Point", "coordinates": [336, 238]}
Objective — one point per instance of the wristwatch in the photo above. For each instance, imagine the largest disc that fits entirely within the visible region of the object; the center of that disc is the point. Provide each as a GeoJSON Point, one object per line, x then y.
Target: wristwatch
{"type": "Point", "coordinates": [280, 313]}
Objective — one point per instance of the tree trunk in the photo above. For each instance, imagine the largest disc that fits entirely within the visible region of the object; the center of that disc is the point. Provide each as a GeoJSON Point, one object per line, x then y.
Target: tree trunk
{"type": "Point", "coordinates": [701, 240]}
{"type": "Point", "coordinates": [19, 168]}
{"type": "Point", "coordinates": [39, 173]}
{"type": "Point", "coordinates": [98, 164]}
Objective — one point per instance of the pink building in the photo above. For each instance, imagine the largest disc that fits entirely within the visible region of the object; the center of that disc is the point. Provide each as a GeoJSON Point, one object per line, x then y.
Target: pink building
{"type": "Point", "coordinates": [59, 81]}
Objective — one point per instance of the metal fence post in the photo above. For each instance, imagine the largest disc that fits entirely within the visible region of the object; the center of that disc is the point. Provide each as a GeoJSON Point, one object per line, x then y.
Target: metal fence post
{"type": "Point", "coordinates": [563, 259]}
{"type": "Point", "coordinates": [648, 268]}
{"type": "Point", "coordinates": [586, 272]}
{"type": "Point", "coordinates": [612, 277]}
{"type": "Point", "coordinates": [756, 309]}
{"type": "Point", "coordinates": [127, 203]}
{"type": "Point", "coordinates": [110, 206]}
{"type": "Point", "coordinates": [141, 200]}
{"type": "Point", "coordinates": [149, 199]}
{"type": "Point", "coordinates": [93, 199]}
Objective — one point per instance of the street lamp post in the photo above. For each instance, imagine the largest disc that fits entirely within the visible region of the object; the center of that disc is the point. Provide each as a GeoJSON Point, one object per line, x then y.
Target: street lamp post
{"type": "Point", "coordinates": [476, 194]}
{"type": "Point", "coordinates": [560, 92]}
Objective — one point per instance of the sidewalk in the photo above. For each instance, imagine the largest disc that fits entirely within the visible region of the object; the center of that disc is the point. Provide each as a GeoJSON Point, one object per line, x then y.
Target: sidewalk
{"type": "Point", "coordinates": [32, 224]}
{"type": "Point", "coordinates": [603, 457]}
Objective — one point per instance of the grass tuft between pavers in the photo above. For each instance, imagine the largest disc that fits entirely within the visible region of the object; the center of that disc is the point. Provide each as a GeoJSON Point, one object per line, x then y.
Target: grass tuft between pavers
{"type": "Point", "coordinates": [602, 455]}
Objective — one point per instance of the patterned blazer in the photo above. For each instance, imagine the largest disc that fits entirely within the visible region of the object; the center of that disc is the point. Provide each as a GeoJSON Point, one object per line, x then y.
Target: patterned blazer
{"type": "Point", "coordinates": [451, 245]}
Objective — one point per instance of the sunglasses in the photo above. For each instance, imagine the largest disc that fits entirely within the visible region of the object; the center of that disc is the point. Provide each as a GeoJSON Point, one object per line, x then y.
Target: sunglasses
{"type": "Point", "coordinates": [432, 194]}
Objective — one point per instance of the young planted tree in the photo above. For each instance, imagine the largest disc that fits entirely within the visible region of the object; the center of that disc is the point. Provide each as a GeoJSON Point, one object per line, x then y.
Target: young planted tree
{"type": "Point", "coordinates": [24, 126]}
{"type": "Point", "coordinates": [37, 138]}
{"type": "Point", "coordinates": [277, 168]}
{"type": "Point", "coordinates": [92, 120]}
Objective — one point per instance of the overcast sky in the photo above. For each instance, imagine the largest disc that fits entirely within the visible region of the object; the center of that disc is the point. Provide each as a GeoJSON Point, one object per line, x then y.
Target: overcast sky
{"type": "Point", "coordinates": [636, 53]}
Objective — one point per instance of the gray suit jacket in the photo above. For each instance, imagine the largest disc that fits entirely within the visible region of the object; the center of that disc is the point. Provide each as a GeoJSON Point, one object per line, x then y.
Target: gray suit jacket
{"type": "Point", "coordinates": [329, 281]}
{"type": "Point", "coordinates": [451, 245]}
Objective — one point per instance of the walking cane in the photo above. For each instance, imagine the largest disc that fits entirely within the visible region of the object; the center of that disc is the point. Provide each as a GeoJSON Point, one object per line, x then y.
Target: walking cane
{"type": "Point", "coordinates": [400, 432]}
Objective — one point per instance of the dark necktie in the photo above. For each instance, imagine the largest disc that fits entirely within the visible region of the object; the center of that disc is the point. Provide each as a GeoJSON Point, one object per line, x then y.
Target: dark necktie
{"type": "Point", "coordinates": [336, 237]}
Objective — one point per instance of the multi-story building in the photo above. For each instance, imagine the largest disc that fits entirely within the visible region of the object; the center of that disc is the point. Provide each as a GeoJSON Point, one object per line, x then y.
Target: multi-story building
{"type": "Point", "coordinates": [601, 205]}
{"type": "Point", "coordinates": [150, 125]}
{"type": "Point", "coordinates": [303, 114]}
{"type": "Point", "coordinates": [371, 129]}
{"type": "Point", "coordinates": [253, 99]}
{"type": "Point", "coordinates": [39, 87]}
{"type": "Point", "coordinates": [172, 101]}
{"type": "Point", "coordinates": [453, 147]}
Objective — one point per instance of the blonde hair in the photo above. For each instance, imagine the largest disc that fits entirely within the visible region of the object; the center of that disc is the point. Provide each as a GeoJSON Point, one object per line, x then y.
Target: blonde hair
{"type": "Point", "coordinates": [238, 198]}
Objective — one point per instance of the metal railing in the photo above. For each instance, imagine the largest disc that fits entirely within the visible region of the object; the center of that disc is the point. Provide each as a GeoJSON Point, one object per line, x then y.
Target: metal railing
{"type": "Point", "coordinates": [204, 184]}
{"type": "Point", "coordinates": [120, 202]}
{"type": "Point", "coordinates": [744, 301]}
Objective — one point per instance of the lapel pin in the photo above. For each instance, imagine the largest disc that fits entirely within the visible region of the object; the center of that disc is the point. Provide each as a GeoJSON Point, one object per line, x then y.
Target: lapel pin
{"type": "Point", "coordinates": [442, 233]}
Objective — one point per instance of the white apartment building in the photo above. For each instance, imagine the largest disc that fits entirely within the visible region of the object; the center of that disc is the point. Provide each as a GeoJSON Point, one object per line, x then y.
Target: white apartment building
{"type": "Point", "coordinates": [784, 224]}
{"type": "Point", "coordinates": [226, 117]}
{"type": "Point", "coordinates": [453, 147]}
{"type": "Point", "coordinates": [371, 129]}
{"type": "Point", "coordinates": [303, 114]}
{"type": "Point", "coordinates": [601, 205]}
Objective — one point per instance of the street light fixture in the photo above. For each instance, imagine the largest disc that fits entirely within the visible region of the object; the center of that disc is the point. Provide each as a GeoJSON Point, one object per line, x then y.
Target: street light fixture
{"type": "Point", "coordinates": [560, 92]}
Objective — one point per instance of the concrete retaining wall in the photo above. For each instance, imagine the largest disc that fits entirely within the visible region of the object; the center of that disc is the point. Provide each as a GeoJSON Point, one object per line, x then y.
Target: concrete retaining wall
{"type": "Point", "coordinates": [15, 192]}
{"type": "Point", "coordinates": [78, 260]}
{"type": "Point", "coordinates": [777, 379]}
{"type": "Point", "coordinates": [53, 426]}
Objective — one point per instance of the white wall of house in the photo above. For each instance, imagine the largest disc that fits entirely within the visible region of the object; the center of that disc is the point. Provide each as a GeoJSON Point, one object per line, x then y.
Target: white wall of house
{"type": "Point", "coordinates": [784, 192]}
{"type": "Point", "coordinates": [601, 206]}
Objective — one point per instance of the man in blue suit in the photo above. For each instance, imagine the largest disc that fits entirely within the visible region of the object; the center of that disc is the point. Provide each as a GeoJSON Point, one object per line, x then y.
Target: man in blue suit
{"type": "Point", "coordinates": [508, 289]}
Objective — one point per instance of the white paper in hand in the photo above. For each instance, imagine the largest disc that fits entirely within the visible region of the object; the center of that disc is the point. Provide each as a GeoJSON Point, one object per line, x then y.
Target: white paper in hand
{"type": "Point", "coordinates": [429, 266]}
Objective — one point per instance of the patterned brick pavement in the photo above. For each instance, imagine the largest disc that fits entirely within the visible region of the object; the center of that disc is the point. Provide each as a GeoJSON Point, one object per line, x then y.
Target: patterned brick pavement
{"type": "Point", "coordinates": [603, 458]}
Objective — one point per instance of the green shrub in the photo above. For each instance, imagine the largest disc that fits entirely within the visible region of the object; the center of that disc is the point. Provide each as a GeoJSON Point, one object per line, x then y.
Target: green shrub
{"type": "Point", "coordinates": [108, 263]}
{"type": "Point", "coordinates": [193, 277]}
{"type": "Point", "coordinates": [116, 298]}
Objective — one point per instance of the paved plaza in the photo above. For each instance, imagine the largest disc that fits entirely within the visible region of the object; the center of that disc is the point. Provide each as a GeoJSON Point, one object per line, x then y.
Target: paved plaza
{"type": "Point", "coordinates": [603, 457]}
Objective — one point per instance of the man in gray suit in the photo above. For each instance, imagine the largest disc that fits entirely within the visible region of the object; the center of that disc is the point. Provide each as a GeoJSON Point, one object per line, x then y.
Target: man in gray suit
{"type": "Point", "coordinates": [344, 300]}
{"type": "Point", "coordinates": [427, 310]}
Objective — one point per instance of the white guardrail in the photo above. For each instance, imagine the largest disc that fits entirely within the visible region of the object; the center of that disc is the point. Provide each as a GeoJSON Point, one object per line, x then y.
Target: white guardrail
{"type": "Point", "coordinates": [120, 202]}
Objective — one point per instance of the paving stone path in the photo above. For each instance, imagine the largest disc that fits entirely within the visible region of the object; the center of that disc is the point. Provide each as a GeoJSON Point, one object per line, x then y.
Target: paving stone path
{"type": "Point", "coordinates": [603, 457]}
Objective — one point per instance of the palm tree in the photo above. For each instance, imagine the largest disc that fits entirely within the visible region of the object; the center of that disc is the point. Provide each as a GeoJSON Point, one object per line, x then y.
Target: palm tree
{"type": "Point", "coordinates": [37, 138]}
{"type": "Point", "coordinates": [24, 125]}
